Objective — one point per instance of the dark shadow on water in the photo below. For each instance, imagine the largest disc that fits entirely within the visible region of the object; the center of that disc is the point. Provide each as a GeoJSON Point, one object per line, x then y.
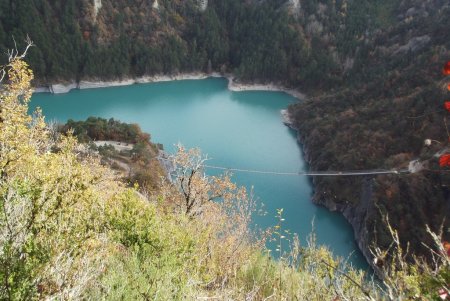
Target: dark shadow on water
{"type": "Point", "coordinates": [293, 134]}
{"type": "Point", "coordinates": [263, 99]}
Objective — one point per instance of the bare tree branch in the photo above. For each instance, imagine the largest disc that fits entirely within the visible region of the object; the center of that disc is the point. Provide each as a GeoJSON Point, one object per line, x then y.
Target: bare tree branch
{"type": "Point", "coordinates": [13, 54]}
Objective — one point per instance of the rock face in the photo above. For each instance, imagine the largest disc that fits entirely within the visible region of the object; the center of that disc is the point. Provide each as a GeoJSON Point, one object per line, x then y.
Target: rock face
{"type": "Point", "coordinates": [104, 84]}
{"type": "Point", "coordinates": [202, 4]}
{"type": "Point", "coordinates": [357, 216]}
{"type": "Point", "coordinates": [155, 4]}
{"type": "Point", "coordinates": [294, 6]}
{"type": "Point", "coordinates": [97, 6]}
{"type": "Point", "coordinates": [286, 118]}
{"type": "Point", "coordinates": [63, 88]}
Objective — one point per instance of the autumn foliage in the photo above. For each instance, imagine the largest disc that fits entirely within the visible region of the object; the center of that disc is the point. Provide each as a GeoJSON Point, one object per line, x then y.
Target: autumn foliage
{"type": "Point", "coordinates": [446, 69]}
{"type": "Point", "coordinates": [447, 105]}
{"type": "Point", "coordinates": [71, 231]}
{"type": "Point", "coordinates": [444, 160]}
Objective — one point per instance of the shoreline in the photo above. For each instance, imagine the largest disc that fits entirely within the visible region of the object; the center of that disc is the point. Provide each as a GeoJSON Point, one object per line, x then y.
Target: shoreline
{"type": "Point", "coordinates": [232, 84]}
{"type": "Point", "coordinates": [239, 87]}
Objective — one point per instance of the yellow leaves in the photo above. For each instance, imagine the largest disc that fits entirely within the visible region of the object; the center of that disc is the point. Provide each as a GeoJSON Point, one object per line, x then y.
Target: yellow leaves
{"type": "Point", "coordinates": [21, 136]}
{"type": "Point", "coordinates": [219, 214]}
{"type": "Point", "coordinates": [49, 195]}
{"type": "Point", "coordinates": [17, 92]}
{"type": "Point", "coordinates": [19, 79]}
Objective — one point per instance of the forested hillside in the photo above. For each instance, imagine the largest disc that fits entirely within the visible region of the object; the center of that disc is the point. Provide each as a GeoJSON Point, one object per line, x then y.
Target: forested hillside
{"type": "Point", "coordinates": [381, 120]}
{"type": "Point", "coordinates": [371, 69]}
{"type": "Point", "coordinates": [311, 45]}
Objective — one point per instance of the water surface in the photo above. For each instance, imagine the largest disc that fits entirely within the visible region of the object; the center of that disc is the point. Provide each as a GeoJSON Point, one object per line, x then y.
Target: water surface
{"type": "Point", "coordinates": [236, 129]}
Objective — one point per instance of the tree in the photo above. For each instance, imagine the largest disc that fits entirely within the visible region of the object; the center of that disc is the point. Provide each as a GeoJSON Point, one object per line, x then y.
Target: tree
{"type": "Point", "coordinates": [196, 189]}
{"type": "Point", "coordinates": [48, 225]}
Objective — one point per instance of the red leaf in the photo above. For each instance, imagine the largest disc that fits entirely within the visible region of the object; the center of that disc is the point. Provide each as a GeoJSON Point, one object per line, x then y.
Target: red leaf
{"type": "Point", "coordinates": [444, 160]}
{"type": "Point", "coordinates": [446, 245]}
{"type": "Point", "coordinates": [446, 70]}
{"type": "Point", "coordinates": [447, 105]}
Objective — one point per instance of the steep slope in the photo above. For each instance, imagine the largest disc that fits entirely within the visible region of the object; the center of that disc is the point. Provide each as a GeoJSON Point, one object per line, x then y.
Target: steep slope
{"type": "Point", "coordinates": [381, 121]}
{"type": "Point", "coordinates": [371, 69]}
{"type": "Point", "coordinates": [264, 40]}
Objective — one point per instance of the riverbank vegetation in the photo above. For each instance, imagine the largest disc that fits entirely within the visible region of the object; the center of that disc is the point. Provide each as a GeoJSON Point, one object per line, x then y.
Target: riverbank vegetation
{"type": "Point", "coordinates": [95, 128]}
{"type": "Point", "coordinates": [71, 230]}
{"type": "Point", "coordinates": [123, 147]}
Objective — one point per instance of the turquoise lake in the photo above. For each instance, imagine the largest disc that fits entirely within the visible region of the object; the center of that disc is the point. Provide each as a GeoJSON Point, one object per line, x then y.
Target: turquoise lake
{"type": "Point", "coordinates": [236, 129]}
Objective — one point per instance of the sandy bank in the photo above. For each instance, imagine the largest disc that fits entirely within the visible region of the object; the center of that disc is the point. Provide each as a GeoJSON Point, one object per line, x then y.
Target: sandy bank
{"type": "Point", "coordinates": [237, 87]}
{"type": "Point", "coordinates": [232, 84]}
{"type": "Point", "coordinates": [84, 84]}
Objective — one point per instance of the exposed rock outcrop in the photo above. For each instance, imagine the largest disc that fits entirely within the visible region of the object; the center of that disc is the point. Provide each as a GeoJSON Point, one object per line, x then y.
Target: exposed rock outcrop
{"type": "Point", "coordinates": [286, 118]}
{"type": "Point", "coordinates": [62, 88]}
{"type": "Point", "coordinates": [155, 4]}
{"type": "Point", "coordinates": [202, 4]}
{"type": "Point", "coordinates": [97, 7]}
{"type": "Point", "coordinates": [294, 6]}
{"type": "Point", "coordinates": [357, 216]}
